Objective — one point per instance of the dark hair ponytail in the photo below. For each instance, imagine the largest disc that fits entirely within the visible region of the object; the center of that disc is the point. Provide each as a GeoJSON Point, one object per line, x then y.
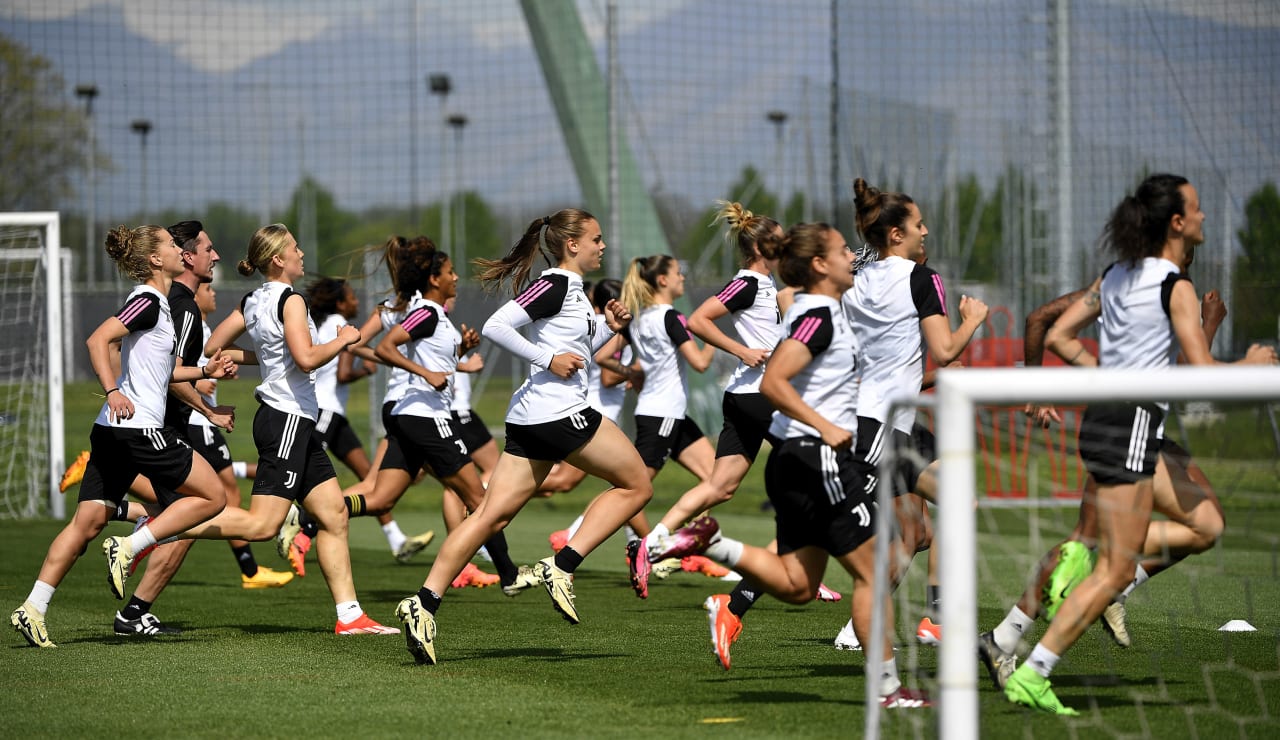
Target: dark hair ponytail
{"type": "Point", "coordinates": [1139, 225]}
{"type": "Point", "coordinates": [544, 236]}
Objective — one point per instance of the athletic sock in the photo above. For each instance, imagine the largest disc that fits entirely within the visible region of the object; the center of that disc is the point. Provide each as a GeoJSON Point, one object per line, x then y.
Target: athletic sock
{"type": "Point", "coordinates": [41, 595]}
{"type": "Point", "coordinates": [568, 559]}
{"type": "Point", "coordinates": [654, 538]}
{"type": "Point", "coordinates": [1139, 577]}
{"type": "Point", "coordinates": [430, 600]}
{"type": "Point", "coordinates": [135, 608]}
{"type": "Point", "coordinates": [141, 539]}
{"type": "Point", "coordinates": [889, 681]}
{"type": "Point", "coordinates": [743, 597]}
{"type": "Point", "coordinates": [1042, 660]}
{"type": "Point", "coordinates": [1011, 630]}
{"type": "Point", "coordinates": [497, 547]}
{"type": "Point", "coordinates": [355, 505]}
{"type": "Point", "coordinates": [244, 558]}
{"type": "Point", "coordinates": [395, 538]}
{"type": "Point", "coordinates": [725, 551]}
{"type": "Point", "coordinates": [349, 611]}
{"type": "Point", "coordinates": [310, 527]}
{"type": "Point", "coordinates": [932, 603]}
{"type": "Point", "coordinates": [239, 469]}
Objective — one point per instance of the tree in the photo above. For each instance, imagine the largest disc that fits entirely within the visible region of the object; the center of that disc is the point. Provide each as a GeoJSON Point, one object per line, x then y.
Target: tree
{"type": "Point", "coordinates": [320, 226]}
{"type": "Point", "coordinates": [1257, 289]}
{"type": "Point", "coordinates": [43, 133]}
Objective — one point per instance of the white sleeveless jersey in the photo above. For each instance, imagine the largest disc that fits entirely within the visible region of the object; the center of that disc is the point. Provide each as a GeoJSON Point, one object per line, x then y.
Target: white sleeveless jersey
{"type": "Point", "coordinates": [285, 387]}
{"type": "Point", "coordinates": [828, 384]}
{"type": "Point", "coordinates": [147, 359]}
{"type": "Point", "coordinates": [198, 418]}
{"type": "Point", "coordinates": [330, 394]}
{"type": "Point", "coordinates": [1136, 330]}
{"type": "Point", "coordinates": [752, 300]}
{"type": "Point", "coordinates": [656, 335]}
{"type": "Point", "coordinates": [397, 379]}
{"type": "Point", "coordinates": [434, 345]}
{"type": "Point", "coordinates": [608, 401]}
{"type": "Point", "coordinates": [560, 320]}
{"type": "Point", "coordinates": [888, 300]}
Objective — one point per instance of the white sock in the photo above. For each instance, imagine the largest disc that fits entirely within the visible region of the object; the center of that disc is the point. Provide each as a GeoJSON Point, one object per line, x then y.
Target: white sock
{"type": "Point", "coordinates": [41, 595]}
{"type": "Point", "coordinates": [239, 468]}
{"type": "Point", "coordinates": [1012, 629]}
{"type": "Point", "coordinates": [141, 539]}
{"type": "Point", "coordinates": [889, 681]}
{"type": "Point", "coordinates": [652, 540]}
{"type": "Point", "coordinates": [631, 534]}
{"type": "Point", "coordinates": [1042, 660]}
{"type": "Point", "coordinates": [725, 551]}
{"type": "Point", "coordinates": [395, 537]}
{"type": "Point", "coordinates": [1139, 577]}
{"type": "Point", "coordinates": [349, 611]}
{"type": "Point", "coordinates": [573, 528]}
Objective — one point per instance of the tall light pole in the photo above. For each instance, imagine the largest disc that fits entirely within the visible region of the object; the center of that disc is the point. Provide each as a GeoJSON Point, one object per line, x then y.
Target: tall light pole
{"type": "Point", "coordinates": [779, 120]}
{"type": "Point", "coordinates": [440, 84]}
{"type": "Point", "coordinates": [142, 127]}
{"type": "Point", "coordinates": [458, 122]}
{"type": "Point", "coordinates": [88, 93]}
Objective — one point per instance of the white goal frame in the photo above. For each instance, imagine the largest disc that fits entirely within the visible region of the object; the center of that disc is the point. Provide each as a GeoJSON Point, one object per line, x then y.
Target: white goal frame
{"type": "Point", "coordinates": [55, 292]}
{"type": "Point", "coordinates": [957, 394]}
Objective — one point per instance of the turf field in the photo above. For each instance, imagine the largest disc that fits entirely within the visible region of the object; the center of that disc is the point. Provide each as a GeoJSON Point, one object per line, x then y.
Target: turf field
{"type": "Point", "coordinates": [265, 663]}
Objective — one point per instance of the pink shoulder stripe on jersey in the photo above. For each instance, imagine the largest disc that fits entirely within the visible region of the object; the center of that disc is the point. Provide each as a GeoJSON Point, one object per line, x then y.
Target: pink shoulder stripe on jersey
{"type": "Point", "coordinates": [805, 331]}
{"type": "Point", "coordinates": [417, 317]}
{"type": "Point", "coordinates": [533, 292]}
{"type": "Point", "coordinates": [731, 290]}
{"type": "Point", "coordinates": [942, 292]}
{"type": "Point", "coordinates": [131, 311]}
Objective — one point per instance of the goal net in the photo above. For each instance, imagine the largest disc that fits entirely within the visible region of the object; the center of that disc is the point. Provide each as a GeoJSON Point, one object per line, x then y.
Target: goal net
{"type": "Point", "coordinates": [1203, 631]}
{"type": "Point", "coordinates": [32, 293]}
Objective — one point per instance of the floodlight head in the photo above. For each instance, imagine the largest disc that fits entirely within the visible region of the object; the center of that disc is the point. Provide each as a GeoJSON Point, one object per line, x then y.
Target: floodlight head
{"type": "Point", "coordinates": [439, 83]}
{"type": "Point", "coordinates": [141, 126]}
{"type": "Point", "coordinates": [457, 120]}
{"type": "Point", "coordinates": [87, 91]}
{"type": "Point", "coordinates": [778, 117]}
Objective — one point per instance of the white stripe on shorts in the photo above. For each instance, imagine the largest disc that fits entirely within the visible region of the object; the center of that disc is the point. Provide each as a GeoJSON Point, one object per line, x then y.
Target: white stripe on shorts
{"type": "Point", "coordinates": [1138, 439]}
{"type": "Point", "coordinates": [288, 436]}
{"type": "Point", "coordinates": [831, 475]}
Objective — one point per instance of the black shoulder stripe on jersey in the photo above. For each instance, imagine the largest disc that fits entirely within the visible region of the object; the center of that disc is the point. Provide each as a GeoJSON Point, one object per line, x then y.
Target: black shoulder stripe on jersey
{"type": "Point", "coordinates": [927, 292]}
{"type": "Point", "coordinates": [1166, 288]}
{"type": "Point", "coordinates": [545, 296]}
{"type": "Point", "coordinates": [140, 313]}
{"type": "Point", "coordinates": [677, 332]}
{"type": "Point", "coordinates": [813, 328]}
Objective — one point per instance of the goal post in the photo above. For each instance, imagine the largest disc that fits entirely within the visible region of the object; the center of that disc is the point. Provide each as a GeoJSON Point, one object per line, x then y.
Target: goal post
{"type": "Point", "coordinates": [957, 395]}
{"type": "Point", "coordinates": [31, 362]}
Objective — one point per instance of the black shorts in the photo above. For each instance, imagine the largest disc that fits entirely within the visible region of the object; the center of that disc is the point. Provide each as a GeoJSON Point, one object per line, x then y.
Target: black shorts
{"type": "Point", "coordinates": [553, 440]}
{"type": "Point", "coordinates": [746, 425]}
{"type": "Point", "coordinates": [1174, 452]}
{"type": "Point", "coordinates": [912, 453]}
{"type": "Point", "coordinates": [1118, 441]}
{"type": "Point", "coordinates": [212, 446]}
{"type": "Point", "coordinates": [425, 441]}
{"type": "Point", "coordinates": [472, 429]}
{"type": "Point", "coordinates": [658, 438]}
{"type": "Point", "coordinates": [388, 420]}
{"type": "Point", "coordinates": [118, 455]}
{"type": "Point", "coordinates": [336, 435]}
{"type": "Point", "coordinates": [821, 497]}
{"type": "Point", "coordinates": [291, 462]}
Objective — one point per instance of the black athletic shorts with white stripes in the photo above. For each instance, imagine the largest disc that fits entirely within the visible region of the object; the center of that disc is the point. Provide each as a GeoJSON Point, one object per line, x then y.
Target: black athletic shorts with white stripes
{"type": "Point", "coordinates": [118, 455]}
{"type": "Point", "coordinates": [552, 440]}
{"type": "Point", "coordinates": [336, 434]}
{"type": "Point", "coordinates": [658, 438]}
{"type": "Point", "coordinates": [212, 446]}
{"type": "Point", "coordinates": [475, 434]}
{"type": "Point", "coordinates": [291, 461]}
{"type": "Point", "coordinates": [821, 497]}
{"type": "Point", "coordinates": [432, 442]}
{"type": "Point", "coordinates": [912, 453]}
{"type": "Point", "coordinates": [746, 425]}
{"type": "Point", "coordinates": [1119, 442]}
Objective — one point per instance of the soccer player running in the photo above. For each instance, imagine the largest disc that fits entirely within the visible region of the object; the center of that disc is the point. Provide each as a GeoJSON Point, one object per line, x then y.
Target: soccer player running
{"type": "Point", "coordinates": [129, 437]}
{"type": "Point", "coordinates": [548, 419]}
{"type": "Point", "coordinates": [292, 465]}
{"type": "Point", "coordinates": [1147, 308]}
{"type": "Point", "coordinates": [1180, 491]}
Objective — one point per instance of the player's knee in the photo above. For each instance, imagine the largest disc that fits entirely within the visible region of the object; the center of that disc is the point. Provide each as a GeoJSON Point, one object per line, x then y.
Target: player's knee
{"type": "Point", "coordinates": [1208, 531]}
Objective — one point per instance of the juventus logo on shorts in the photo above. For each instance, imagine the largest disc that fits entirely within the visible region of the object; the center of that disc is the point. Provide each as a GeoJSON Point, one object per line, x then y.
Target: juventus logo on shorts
{"type": "Point", "coordinates": [290, 479]}
{"type": "Point", "coordinates": [578, 421]}
{"type": "Point", "coordinates": [864, 516]}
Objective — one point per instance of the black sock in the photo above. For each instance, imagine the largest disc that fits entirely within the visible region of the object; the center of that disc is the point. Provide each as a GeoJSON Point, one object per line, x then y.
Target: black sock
{"type": "Point", "coordinates": [568, 559]}
{"type": "Point", "coordinates": [743, 597]}
{"type": "Point", "coordinates": [355, 505]}
{"type": "Point", "coordinates": [122, 512]}
{"type": "Point", "coordinates": [932, 598]}
{"type": "Point", "coordinates": [244, 558]}
{"type": "Point", "coordinates": [430, 600]}
{"type": "Point", "coordinates": [135, 608]}
{"type": "Point", "coordinates": [310, 527]}
{"type": "Point", "coordinates": [497, 547]}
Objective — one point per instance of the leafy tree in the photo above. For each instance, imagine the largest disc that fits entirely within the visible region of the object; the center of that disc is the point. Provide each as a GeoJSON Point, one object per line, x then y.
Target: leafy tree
{"type": "Point", "coordinates": [1257, 288]}
{"type": "Point", "coordinates": [320, 225]}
